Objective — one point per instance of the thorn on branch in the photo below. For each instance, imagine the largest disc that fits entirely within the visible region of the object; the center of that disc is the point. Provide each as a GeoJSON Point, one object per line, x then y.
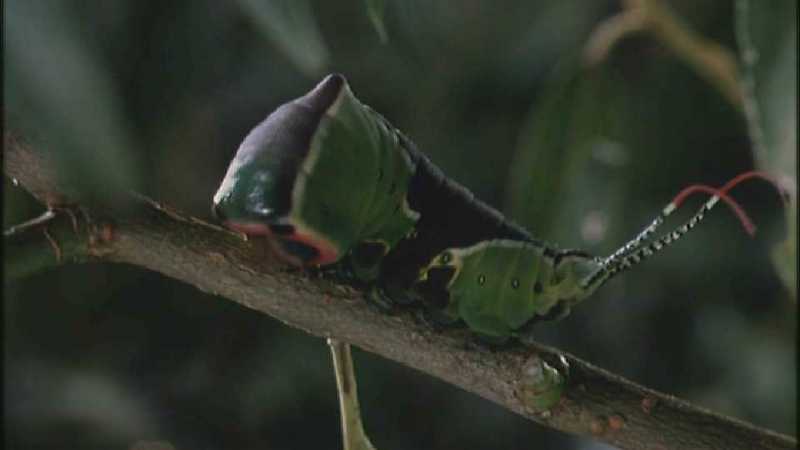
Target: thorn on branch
{"type": "Point", "coordinates": [177, 215]}
{"type": "Point", "coordinates": [615, 422]}
{"type": "Point", "coordinates": [100, 235]}
{"type": "Point", "coordinates": [648, 403]}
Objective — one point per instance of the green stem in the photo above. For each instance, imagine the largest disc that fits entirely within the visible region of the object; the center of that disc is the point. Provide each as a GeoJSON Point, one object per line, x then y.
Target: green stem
{"type": "Point", "coordinates": [353, 435]}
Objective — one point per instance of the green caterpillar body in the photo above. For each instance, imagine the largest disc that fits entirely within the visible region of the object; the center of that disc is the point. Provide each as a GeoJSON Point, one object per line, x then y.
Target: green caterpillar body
{"type": "Point", "coordinates": [287, 180]}
{"type": "Point", "coordinates": [330, 181]}
{"type": "Point", "coordinates": [521, 280]}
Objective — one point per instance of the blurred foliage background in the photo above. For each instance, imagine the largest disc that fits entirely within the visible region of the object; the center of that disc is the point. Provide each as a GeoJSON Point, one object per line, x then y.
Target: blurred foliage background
{"type": "Point", "coordinates": [156, 96]}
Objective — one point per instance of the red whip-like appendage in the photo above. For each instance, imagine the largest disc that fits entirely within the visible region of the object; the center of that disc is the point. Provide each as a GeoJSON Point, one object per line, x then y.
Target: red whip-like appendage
{"type": "Point", "coordinates": [747, 223]}
{"type": "Point", "coordinates": [722, 194]}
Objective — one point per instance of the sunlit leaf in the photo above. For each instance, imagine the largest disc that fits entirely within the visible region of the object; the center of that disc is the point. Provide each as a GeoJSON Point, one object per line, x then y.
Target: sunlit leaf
{"type": "Point", "coordinates": [291, 26]}
{"type": "Point", "coordinates": [767, 38]}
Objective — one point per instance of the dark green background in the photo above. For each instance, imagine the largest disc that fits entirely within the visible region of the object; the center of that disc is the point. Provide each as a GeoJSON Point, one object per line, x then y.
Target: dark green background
{"type": "Point", "coordinates": [157, 95]}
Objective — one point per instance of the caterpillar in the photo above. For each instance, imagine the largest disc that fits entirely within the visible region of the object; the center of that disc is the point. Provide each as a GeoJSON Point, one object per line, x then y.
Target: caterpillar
{"type": "Point", "coordinates": [331, 182]}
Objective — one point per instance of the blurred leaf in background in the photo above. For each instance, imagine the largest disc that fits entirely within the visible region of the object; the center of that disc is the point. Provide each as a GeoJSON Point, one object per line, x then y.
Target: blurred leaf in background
{"type": "Point", "coordinates": [291, 26]}
{"type": "Point", "coordinates": [767, 39]}
{"type": "Point", "coordinates": [60, 95]}
{"type": "Point", "coordinates": [375, 12]}
{"type": "Point", "coordinates": [555, 186]}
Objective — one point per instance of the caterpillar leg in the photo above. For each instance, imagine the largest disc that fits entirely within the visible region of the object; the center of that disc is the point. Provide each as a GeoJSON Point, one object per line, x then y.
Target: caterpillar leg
{"type": "Point", "coordinates": [365, 259]}
{"type": "Point", "coordinates": [339, 273]}
{"type": "Point", "coordinates": [361, 266]}
{"type": "Point", "coordinates": [378, 298]}
{"type": "Point", "coordinates": [436, 319]}
{"type": "Point", "coordinates": [542, 382]}
{"type": "Point", "coordinates": [397, 290]}
{"type": "Point", "coordinates": [492, 343]}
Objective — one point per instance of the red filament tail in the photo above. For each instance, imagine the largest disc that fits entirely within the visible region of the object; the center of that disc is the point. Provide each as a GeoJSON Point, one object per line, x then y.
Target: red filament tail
{"type": "Point", "coordinates": [747, 223]}
{"type": "Point", "coordinates": [722, 193]}
{"type": "Point", "coordinates": [750, 175]}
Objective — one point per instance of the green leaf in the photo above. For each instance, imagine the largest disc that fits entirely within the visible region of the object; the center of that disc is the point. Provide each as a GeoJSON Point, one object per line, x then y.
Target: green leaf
{"type": "Point", "coordinates": [375, 12]}
{"type": "Point", "coordinates": [291, 26]}
{"type": "Point", "coordinates": [568, 169]}
{"type": "Point", "coordinates": [767, 36]}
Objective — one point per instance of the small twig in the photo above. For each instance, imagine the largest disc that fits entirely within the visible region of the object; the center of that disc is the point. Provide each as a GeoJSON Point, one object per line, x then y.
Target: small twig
{"type": "Point", "coordinates": [710, 60]}
{"type": "Point", "coordinates": [54, 244]}
{"type": "Point", "coordinates": [177, 215]}
{"type": "Point", "coordinates": [38, 221]}
{"type": "Point", "coordinates": [353, 435]}
{"type": "Point", "coordinates": [30, 246]}
{"type": "Point", "coordinates": [606, 35]}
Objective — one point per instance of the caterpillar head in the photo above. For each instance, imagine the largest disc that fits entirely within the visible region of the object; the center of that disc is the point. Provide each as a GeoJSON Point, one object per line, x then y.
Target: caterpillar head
{"type": "Point", "coordinates": [256, 195]}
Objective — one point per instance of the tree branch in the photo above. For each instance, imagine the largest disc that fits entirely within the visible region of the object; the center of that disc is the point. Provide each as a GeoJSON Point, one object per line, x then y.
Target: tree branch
{"type": "Point", "coordinates": [595, 403]}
